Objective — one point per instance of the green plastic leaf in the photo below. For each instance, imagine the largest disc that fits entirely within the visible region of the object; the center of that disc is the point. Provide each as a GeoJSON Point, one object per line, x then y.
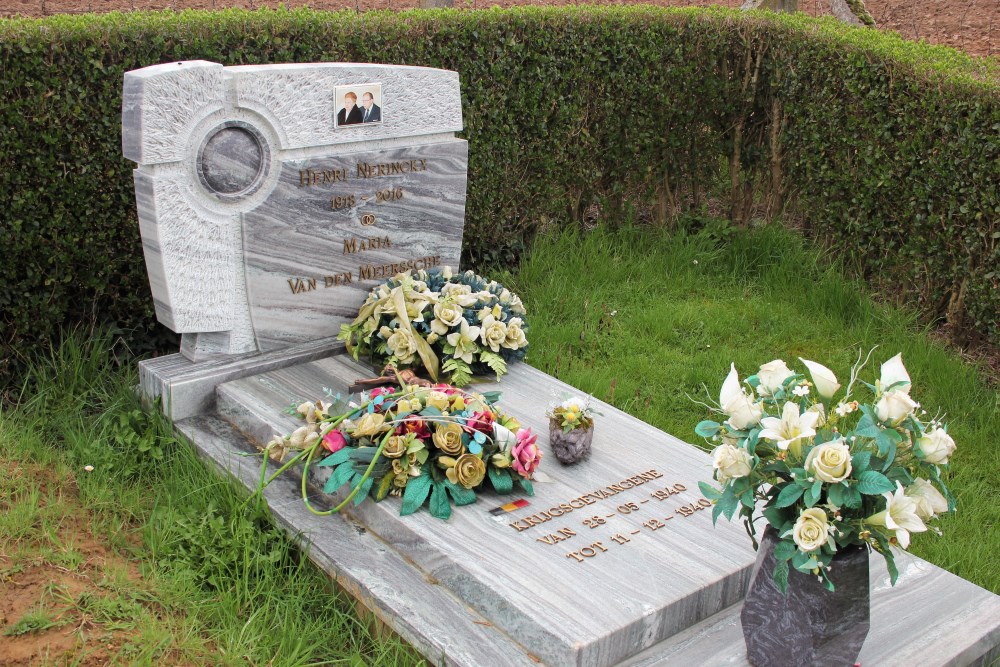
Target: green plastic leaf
{"type": "Point", "coordinates": [789, 495]}
{"type": "Point", "coordinates": [341, 475]}
{"type": "Point", "coordinates": [836, 495]}
{"type": "Point", "coordinates": [366, 486]}
{"type": "Point", "coordinates": [872, 483]}
{"type": "Point", "coordinates": [852, 498]}
{"type": "Point", "coordinates": [415, 494]}
{"type": "Point", "coordinates": [709, 491]}
{"type": "Point", "coordinates": [860, 461]}
{"type": "Point", "coordinates": [492, 396]}
{"type": "Point", "coordinates": [430, 411]}
{"type": "Point", "coordinates": [780, 575]}
{"type": "Point", "coordinates": [707, 428]}
{"type": "Point", "coordinates": [500, 479]}
{"type": "Point", "coordinates": [336, 458]}
{"type": "Point", "coordinates": [440, 506]}
{"type": "Point", "coordinates": [526, 485]}
{"type": "Point", "coordinates": [784, 550]}
{"type": "Point", "coordinates": [812, 494]}
{"type": "Point", "coordinates": [866, 427]}
{"type": "Point", "coordinates": [728, 502]}
{"type": "Point", "coordinates": [460, 494]}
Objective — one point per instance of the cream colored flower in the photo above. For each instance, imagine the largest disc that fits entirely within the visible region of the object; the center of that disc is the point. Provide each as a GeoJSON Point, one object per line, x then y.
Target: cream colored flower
{"type": "Point", "coordinates": [811, 530]}
{"type": "Point", "coordinates": [831, 461]}
{"type": "Point", "coordinates": [929, 500]}
{"type": "Point", "coordinates": [370, 424]}
{"type": "Point", "coordinates": [742, 412]}
{"type": "Point", "coordinates": [460, 294]}
{"type": "Point", "coordinates": [468, 471]}
{"type": "Point", "coordinates": [791, 429]}
{"type": "Point", "coordinates": [731, 462]}
{"type": "Point", "coordinates": [823, 378]}
{"type": "Point", "coordinates": [395, 447]}
{"type": "Point", "coordinates": [493, 333]}
{"type": "Point", "coordinates": [438, 399]}
{"type": "Point", "coordinates": [515, 339]}
{"type": "Point", "coordinates": [504, 438]}
{"type": "Point", "coordinates": [448, 438]}
{"type": "Point", "coordinates": [446, 315]}
{"type": "Point", "coordinates": [936, 446]}
{"type": "Point", "coordinates": [464, 342]}
{"type": "Point", "coordinates": [303, 437]}
{"type": "Point", "coordinates": [900, 516]}
{"type": "Point", "coordinates": [894, 371]}
{"type": "Point", "coordinates": [894, 406]}
{"type": "Point", "coordinates": [771, 376]}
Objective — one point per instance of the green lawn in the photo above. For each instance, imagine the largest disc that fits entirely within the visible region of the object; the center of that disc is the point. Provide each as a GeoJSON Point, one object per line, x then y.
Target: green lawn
{"type": "Point", "coordinates": [644, 320]}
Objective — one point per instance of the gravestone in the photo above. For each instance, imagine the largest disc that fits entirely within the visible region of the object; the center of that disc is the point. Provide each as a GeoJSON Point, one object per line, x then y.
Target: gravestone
{"type": "Point", "coordinates": [265, 218]}
{"type": "Point", "coordinates": [268, 207]}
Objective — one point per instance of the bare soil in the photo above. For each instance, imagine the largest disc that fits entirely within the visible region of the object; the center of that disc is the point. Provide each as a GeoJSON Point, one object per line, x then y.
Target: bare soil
{"type": "Point", "coordinates": [970, 25]}
{"type": "Point", "coordinates": [36, 581]}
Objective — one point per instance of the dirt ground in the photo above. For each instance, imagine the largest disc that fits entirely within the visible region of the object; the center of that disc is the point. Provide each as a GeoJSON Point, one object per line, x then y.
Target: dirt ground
{"type": "Point", "coordinates": [971, 25]}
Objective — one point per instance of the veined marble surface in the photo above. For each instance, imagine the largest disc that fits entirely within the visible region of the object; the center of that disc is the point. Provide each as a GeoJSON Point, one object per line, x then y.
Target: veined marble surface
{"type": "Point", "coordinates": [305, 258]}
{"type": "Point", "coordinates": [217, 152]}
{"type": "Point", "coordinates": [642, 571]}
{"type": "Point", "coordinates": [461, 598]}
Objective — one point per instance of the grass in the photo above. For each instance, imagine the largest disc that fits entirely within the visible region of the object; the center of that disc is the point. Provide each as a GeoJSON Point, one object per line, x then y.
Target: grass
{"type": "Point", "coordinates": [644, 320]}
{"type": "Point", "coordinates": [216, 582]}
{"type": "Point", "coordinates": [649, 322]}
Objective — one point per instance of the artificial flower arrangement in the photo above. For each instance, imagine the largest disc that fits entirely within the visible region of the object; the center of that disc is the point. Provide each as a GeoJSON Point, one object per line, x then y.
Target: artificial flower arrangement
{"type": "Point", "coordinates": [435, 445]}
{"type": "Point", "coordinates": [831, 472]}
{"type": "Point", "coordinates": [457, 324]}
{"type": "Point", "coordinates": [571, 429]}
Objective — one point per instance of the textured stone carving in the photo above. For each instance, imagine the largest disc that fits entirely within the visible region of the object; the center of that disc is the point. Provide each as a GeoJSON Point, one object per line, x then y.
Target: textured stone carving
{"type": "Point", "coordinates": [213, 144]}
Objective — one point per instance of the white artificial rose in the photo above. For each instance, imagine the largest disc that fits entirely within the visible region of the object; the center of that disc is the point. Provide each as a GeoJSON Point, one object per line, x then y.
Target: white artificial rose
{"type": "Point", "coordinates": [831, 461]}
{"type": "Point", "coordinates": [936, 446]}
{"type": "Point", "coordinates": [929, 500]}
{"type": "Point", "coordinates": [823, 378]}
{"type": "Point", "coordinates": [493, 333]}
{"type": "Point", "coordinates": [402, 345]}
{"type": "Point", "coordinates": [742, 412]}
{"type": "Point", "coordinates": [515, 335]}
{"type": "Point", "coordinates": [894, 406]}
{"type": "Point", "coordinates": [771, 376]}
{"type": "Point", "coordinates": [811, 529]}
{"type": "Point", "coordinates": [731, 462]}
{"type": "Point", "coordinates": [894, 371]}
{"type": "Point", "coordinates": [303, 437]}
{"type": "Point", "coordinates": [446, 315]}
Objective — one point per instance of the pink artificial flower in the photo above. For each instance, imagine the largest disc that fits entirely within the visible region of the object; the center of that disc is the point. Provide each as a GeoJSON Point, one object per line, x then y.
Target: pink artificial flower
{"type": "Point", "coordinates": [445, 389]}
{"type": "Point", "coordinates": [334, 441]}
{"type": "Point", "coordinates": [526, 453]}
{"type": "Point", "coordinates": [380, 391]}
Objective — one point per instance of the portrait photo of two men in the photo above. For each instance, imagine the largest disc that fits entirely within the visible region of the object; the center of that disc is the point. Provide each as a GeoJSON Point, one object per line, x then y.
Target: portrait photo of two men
{"type": "Point", "coordinates": [359, 104]}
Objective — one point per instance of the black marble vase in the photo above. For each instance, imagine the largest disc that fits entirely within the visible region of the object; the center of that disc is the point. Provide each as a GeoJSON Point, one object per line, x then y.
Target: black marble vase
{"type": "Point", "coordinates": [807, 625]}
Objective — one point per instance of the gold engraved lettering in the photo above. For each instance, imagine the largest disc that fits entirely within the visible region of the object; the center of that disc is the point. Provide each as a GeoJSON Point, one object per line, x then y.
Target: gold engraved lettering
{"type": "Point", "coordinates": [368, 170]}
{"type": "Point", "coordinates": [576, 555]}
{"type": "Point", "coordinates": [650, 474]}
{"type": "Point", "coordinates": [350, 246]}
{"type": "Point", "coordinates": [338, 279]}
{"type": "Point", "coordinates": [516, 525]}
{"type": "Point", "coordinates": [300, 285]}
{"type": "Point", "coordinates": [561, 535]}
{"type": "Point", "coordinates": [620, 539]}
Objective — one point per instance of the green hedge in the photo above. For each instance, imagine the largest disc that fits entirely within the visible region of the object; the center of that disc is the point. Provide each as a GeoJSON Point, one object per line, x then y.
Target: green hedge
{"type": "Point", "coordinates": [885, 150]}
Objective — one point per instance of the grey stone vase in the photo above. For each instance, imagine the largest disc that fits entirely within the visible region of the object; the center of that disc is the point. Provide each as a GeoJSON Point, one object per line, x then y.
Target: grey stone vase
{"type": "Point", "coordinates": [570, 446]}
{"type": "Point", "coordinates": [807, 625]}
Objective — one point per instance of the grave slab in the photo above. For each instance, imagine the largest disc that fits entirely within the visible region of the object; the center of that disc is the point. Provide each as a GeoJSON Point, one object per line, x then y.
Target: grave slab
{"type": "Point", "coordinates": [621, 554]}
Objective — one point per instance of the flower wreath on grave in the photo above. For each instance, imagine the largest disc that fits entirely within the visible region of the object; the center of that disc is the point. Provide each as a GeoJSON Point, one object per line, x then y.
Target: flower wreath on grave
{"type": "Point", "coordinates": [831, 472]}
{"type": "Point", "coordinates": [456, 324]}
{"type": "Point", "coordinates": [431, 445]}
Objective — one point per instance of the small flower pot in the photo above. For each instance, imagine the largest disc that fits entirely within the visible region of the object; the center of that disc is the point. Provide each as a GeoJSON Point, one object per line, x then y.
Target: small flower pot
{"type": "Point", "coordinates": [570, 446]}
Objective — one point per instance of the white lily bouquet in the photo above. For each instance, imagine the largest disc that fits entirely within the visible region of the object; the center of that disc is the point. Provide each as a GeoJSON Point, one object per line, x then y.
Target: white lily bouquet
{"type": "Point", "coordinates": [829, 472]}
{"type": "Point", "coordinates": [458, 325]}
